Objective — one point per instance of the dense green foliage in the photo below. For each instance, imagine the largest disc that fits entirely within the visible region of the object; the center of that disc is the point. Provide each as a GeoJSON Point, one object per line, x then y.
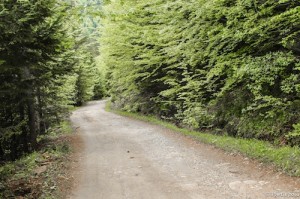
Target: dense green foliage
{"type": "Point", "coordinates": [85, 17]}
{"type": "Point", "coordinates": [219, 64]}
{"type": "Point", "coordinates": [44, 68]}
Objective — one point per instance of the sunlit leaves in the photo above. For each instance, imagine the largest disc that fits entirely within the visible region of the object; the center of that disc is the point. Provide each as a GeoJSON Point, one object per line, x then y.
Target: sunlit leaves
{"type": "Point", "coordinates": [218, 63]}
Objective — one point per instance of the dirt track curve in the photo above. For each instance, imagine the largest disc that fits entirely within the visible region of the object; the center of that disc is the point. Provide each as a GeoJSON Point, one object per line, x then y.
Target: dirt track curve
{"type": "Point", "coordinates": [128, 159]}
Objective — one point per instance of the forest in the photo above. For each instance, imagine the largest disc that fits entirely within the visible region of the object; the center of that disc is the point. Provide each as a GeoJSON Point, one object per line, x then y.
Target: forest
{"type": "Point", "coordinates": [47, 65]}
{"type": "Point", "coordinates": [227, 67]}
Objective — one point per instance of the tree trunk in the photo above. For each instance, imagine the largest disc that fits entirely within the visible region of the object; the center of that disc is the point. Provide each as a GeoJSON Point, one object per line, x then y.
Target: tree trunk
{"type": "Point", "coordinates": [32, 108]}
{"type": "Point", "coordinates": [43, 127]}
{"type": "Point", "coordinates": [24, 135]}
{"type": "Point", "coordinates": [33, 121]}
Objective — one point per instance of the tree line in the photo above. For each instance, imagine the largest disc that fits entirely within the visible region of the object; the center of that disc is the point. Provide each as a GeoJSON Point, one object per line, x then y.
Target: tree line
{"type": "Point", "coordinates": [46, 66]}
{"type": "Point", "coordinates": [230, 67]}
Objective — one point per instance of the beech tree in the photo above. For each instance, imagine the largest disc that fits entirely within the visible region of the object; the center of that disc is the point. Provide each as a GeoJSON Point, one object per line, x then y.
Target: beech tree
{"type": "Point", "coordinates": [220, 64]}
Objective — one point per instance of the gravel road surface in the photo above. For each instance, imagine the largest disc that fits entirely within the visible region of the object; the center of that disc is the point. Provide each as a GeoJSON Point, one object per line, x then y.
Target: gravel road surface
{"type": "Point", "coordinates": [123, 158]}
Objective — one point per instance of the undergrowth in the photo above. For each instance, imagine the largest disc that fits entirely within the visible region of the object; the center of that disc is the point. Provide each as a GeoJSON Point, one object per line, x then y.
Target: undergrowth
{"type": "Point", "coordinates": [35, 175]}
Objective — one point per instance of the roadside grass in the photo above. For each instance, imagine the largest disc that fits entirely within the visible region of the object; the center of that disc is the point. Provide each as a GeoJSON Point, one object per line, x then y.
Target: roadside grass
{"type": "Point", "coordinates": [285, 158]}
{"type": "Point", "coordinates": [36, 174]}
{"type": "Point", "coordinates": [72, 108]}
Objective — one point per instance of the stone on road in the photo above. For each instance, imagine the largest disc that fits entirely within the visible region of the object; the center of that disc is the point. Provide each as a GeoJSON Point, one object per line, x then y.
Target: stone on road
{"type": "Point", "coordinates": [126, 158]}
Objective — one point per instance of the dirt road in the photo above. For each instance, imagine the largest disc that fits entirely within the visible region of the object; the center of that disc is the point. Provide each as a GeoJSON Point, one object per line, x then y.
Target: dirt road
{"type": "Point", "coordinates": [128, 159]}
